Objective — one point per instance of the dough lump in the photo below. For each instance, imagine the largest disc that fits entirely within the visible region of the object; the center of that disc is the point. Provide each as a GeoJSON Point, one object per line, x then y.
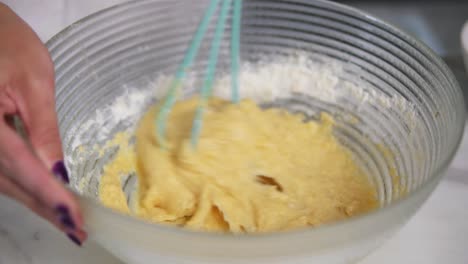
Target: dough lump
{"type": "Point", "coordinates": [253, 170]}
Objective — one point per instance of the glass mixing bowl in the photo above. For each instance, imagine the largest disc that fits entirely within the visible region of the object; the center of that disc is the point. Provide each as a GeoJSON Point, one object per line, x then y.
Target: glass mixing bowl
{"type": "Point", "coordinates": [406, 122]}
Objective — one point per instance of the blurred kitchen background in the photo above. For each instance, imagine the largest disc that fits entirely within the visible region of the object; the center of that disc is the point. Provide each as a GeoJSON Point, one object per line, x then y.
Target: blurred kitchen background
{"type": "Point", "coordinates": [438, 23]}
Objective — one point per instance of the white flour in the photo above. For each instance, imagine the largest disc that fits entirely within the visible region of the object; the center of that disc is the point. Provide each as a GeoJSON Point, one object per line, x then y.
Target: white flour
{"type": "Point", "coordinates": [262, 83]}
{"type": "Point", "coordinates": [127, 106]}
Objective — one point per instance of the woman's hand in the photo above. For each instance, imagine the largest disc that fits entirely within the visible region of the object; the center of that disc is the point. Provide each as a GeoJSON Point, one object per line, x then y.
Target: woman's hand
{"type": "Point", "coordinates": [33, 173]}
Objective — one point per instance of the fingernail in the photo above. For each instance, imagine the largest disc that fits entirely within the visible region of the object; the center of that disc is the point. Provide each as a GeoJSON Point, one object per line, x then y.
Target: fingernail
{"type": "Point", "coordinates": [74, 239]}
{"type": "Point", "coordinates": [64, 217]}
{"type": "Point", "coordinates": [60, 171]}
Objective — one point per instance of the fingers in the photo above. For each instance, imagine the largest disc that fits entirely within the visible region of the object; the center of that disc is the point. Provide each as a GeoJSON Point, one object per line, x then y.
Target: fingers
{"type": "Point", "coordinates": [12, 190]}
{"type": "Point", "coordinates": [23, 168]}
{"type": "Point", "coordinates": [37, 110]}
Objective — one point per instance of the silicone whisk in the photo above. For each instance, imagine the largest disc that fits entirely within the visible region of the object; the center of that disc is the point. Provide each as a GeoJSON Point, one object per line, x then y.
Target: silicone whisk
{"type": "Point", "coordinates": [225, 6]}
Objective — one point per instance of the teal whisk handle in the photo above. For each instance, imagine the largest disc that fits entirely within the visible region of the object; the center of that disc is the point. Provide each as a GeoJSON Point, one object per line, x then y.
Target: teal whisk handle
{"type": "Point", "coordinates": [189, 58]}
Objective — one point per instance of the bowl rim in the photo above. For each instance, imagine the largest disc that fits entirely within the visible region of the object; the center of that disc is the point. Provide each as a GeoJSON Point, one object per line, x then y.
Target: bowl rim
{"type": "Point", "coordinates": [184, 233]}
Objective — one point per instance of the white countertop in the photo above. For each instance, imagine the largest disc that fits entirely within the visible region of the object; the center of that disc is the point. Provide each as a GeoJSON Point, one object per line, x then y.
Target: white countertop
{"type": "Point", "coordinates": [437, 233]}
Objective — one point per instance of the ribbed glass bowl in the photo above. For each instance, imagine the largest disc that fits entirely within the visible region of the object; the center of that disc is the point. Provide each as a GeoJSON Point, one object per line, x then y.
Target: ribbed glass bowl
{"type": "Point", "coordinates": [405, 109]}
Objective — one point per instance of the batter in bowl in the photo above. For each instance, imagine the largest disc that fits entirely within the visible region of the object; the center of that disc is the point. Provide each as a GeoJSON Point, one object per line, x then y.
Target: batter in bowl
{"type": "Point", "coordinates": [254, 170]}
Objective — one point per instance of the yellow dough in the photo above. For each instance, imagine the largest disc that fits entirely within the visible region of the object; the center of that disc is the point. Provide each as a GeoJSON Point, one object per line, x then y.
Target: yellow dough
{"type": "Point", "coordinates": [253, 170]}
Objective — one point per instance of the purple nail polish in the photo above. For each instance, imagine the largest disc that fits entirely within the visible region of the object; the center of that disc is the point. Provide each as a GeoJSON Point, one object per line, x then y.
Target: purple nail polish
{"type": "Point", "coordinates": [74, 239]}
{"type": "Point", "coordinates": [62, 209]}
{"type": "Point", "coordinates": [64, 217]}
{"type": "Point", "coordinates": [60, 171]}
{"type": "Point", "coordinates": [68, 222]}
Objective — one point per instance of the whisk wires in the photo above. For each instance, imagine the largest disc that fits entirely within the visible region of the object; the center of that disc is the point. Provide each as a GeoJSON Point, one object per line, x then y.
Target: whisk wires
{"type": "Point", "coordinates": [235, 56]}
{"type": "Point", "coordinates": [210, 72]}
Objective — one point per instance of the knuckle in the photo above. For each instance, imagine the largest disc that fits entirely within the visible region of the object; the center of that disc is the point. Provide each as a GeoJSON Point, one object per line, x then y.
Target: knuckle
{"type": "Point", "coordinates": [45, 73]}
{"type": "Point", "coordinates": [44, 82]}
{"type": "Point", "coordinates": [45, 137]}
{"type": "Point", "coordinates": [7, 105]}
